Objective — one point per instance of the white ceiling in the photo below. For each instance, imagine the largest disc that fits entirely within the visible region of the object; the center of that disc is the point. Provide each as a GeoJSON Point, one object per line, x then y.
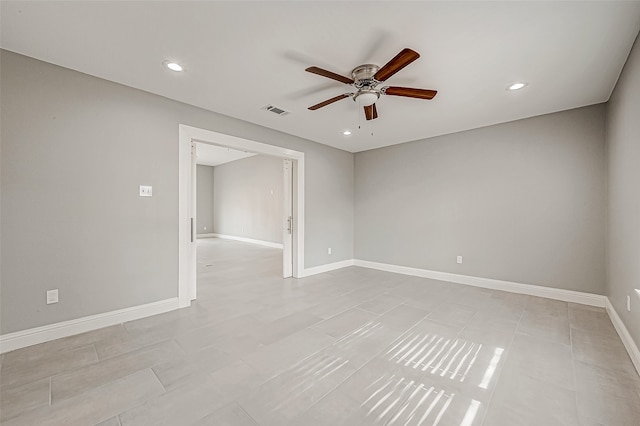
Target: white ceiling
{"type": "Point", "coordinates": [240, 56]}
{"type": "Point", "coordinates": [213, 155]}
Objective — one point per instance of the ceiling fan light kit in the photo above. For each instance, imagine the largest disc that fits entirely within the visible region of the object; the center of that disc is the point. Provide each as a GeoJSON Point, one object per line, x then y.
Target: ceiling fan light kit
{"type": "Point", "coordinates": [366, 79]}
{"type": "Point", "coordinates": [366, 98]}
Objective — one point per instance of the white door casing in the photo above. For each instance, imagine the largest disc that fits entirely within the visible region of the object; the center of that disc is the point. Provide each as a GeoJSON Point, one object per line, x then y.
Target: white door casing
{"type": "Point", "coordinates": [186, 203]}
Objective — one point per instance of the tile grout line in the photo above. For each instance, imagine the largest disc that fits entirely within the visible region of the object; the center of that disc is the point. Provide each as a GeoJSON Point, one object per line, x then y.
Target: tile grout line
{"type": "Point", "coordinates": [524, 308]}
{"type": "Point", "coordinates": [245, 411]}
{"type": "Point", "coordinates": [157, 378]}
{"type": "Point", "coordinates": [573, 369]}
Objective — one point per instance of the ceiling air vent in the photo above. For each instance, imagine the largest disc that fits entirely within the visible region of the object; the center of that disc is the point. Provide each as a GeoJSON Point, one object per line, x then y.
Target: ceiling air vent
{"type": "Point", "coordinates": [275, 110]}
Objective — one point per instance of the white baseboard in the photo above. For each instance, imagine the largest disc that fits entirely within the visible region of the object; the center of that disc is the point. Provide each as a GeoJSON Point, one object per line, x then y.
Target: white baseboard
{"type": "Point", "coordinates": [513, 287]}
{"type": "Point", "coordinates": [249, 240]}
{"type": "Point", "coordinates": [326, 268]}
{"type": "Point", "coordinates": [205, 235]}
{"type": "Point", "coordinates": [627, 340]}
{"type": "Point", "coordinates": [33, 336]}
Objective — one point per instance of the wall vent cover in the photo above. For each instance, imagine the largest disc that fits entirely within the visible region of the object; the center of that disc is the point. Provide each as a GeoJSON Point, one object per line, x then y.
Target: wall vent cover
{"type": "Point", "coordinates": [275, 110]}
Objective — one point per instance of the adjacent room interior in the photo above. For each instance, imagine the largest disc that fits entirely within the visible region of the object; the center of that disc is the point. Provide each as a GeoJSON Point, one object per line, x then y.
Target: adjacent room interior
{"type": "Point", "coordinates": [320, 213]}
{"type": "Point", "coordinates": [240, 196]}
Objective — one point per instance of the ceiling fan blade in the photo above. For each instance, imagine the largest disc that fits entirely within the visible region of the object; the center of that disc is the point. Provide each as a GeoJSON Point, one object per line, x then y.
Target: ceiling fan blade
{"type": "Point", "coordinates": [401, 60]}
{"type": "Point", "coordinates": [329, 74]}
{"type": "Point", "coordinates": [329, 101]}
{"type": "Point", "coordinates": [409, 92]}
{"type": "Point", "coordinates": [371, 112]}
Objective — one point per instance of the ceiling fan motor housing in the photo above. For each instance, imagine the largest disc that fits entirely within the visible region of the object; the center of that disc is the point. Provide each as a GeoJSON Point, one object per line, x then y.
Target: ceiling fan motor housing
{"type": "Point", "coordinates": [363, 76]}
{"type": "Point", "coordinates": [367, 93]}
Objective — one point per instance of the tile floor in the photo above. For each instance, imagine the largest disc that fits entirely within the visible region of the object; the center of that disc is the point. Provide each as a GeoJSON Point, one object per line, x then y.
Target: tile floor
{"type": "Point", "coordinates": [350, 347]}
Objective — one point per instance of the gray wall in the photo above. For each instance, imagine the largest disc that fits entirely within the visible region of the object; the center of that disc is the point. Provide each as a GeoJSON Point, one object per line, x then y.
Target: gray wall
{"type": "Point", "coordinates": [521, 201]}
{"type": "Point", "coordinates": [248, 198]}
{"type": "Point", "coordinates": [204, 199]}
{"type": "Point", "coordinates": [75, 148]}
{"type": "Point", "coordinates": [623, 155]}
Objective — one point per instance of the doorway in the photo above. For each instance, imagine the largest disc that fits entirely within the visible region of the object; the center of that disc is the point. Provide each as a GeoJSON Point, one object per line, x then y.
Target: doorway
{"type": "Point", "coordinates": [293, 217]}
{"type": "Point", "coordinates": [244, 197]}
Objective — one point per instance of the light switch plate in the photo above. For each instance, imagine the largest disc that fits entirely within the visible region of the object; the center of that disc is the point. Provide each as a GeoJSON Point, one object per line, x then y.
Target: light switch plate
{"type": "Point", "coordinates": [52, 296]}
{"type": "Point", "coordinates": [146, 191]}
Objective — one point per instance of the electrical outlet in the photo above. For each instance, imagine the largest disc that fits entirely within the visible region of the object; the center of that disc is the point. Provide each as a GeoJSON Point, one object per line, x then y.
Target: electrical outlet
{"type": "Point", "coordinates": [629, 303]}
{"type": "Point", "coordinates": [146, 191]}
{"type": "Point", "coordinates": [52, 296]}
{"type": "Point", "coordinates": [205, 228]}
{"type": "Point", "coordinates": [329, 250]}
{"type": "Point", "coordinates": [459, 259]}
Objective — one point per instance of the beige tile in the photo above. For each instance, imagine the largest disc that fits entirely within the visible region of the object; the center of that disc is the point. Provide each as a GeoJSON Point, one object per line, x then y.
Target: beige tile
{"type": "Point", "coordinates": [331, 308]}
{"type": "Point", "coordinates": [547, 307]}
{"type": "Point", "coordinates": [523, 400]}
{"type": "Point", "coordinates": [279, 356]}
{"type": "Point", "coordinates": [601, 351]}
{"type": "Point", "coordinates": [501, 414]}
{"type": "Point", "coordinates": [292, 392]}
{"type": "Point", "coordinates": [591, 320]}
{"type": "Point", "coordinates": [236, 379]}
{"type": "Point", "coordinates": [488, 330]}
{"type": "Point", "coordinates": [230, 415]}
{"type": "Point", "coordinates": [363, 344]}
{"type": "Point", "coordinates": [609, 409]}
{"type": "Point", "coordinates": [174, 372]}
{"type": "Point", "coordinates": [474, 297]}
{"type": "Point", "coordinates": [345, 322]}
{"type": "Point", "coordinates": [426, 302]}
{"type": "Point", "coordinates": [25, 370]}
{"type": "Point", "coordinates": [278, 329]}
{"type": "Point", "coordinates": [15, 400]}
{"type": "Point", "coordinates": [611, 397]}
{"type": "Point", "coordinates": [113, 421]}
{"type": "Point", "coordinates": [149, 331]}
{"type": "Point", "coordinates": [544, 360]}
{"type": "Point", "coordinates": [184, 405]}
{"type": "Point", "coordinates": [78, 381]}
{"type": "Point", "coordinates": [453, 314]}
{"type": "Point", "coordinates": [380, 388]}
{"type": "Point", "coordinates": [507, 306]}
{"type": "Point", "coordinates": [430, 403]}
{"type": "Point", "coordinates": [382, 303]}
{"type": "Point", "coordinates": [194, 340]}
{"type": "Point", "coordinates": [402, 317]}
{"type": "Point", "coordinates": [549, 327]}
{"type": "Point", "coordinates": [335, 409]}
{"type": "Point", "coordinates": [238, 345]}
{"type": "Point", "coordinates": [97, 405]}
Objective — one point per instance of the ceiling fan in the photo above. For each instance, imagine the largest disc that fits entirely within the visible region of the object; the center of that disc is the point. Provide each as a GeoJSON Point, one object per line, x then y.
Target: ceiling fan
{"type": "Point", "coordinates": [366, 79]}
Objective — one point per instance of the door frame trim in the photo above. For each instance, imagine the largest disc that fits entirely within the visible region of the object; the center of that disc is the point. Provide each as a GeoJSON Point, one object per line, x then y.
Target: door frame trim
{"type": "Point", "coordinates": [186, 249]}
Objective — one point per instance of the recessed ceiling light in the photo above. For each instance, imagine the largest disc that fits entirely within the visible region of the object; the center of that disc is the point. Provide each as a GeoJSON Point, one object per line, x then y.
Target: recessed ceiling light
{"type": "Point", "coordinates": [173, 66]}
{"type": "Point", "coordinates": [516, 86]}
{"type": "Point", "coordinates": [346, 132]}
